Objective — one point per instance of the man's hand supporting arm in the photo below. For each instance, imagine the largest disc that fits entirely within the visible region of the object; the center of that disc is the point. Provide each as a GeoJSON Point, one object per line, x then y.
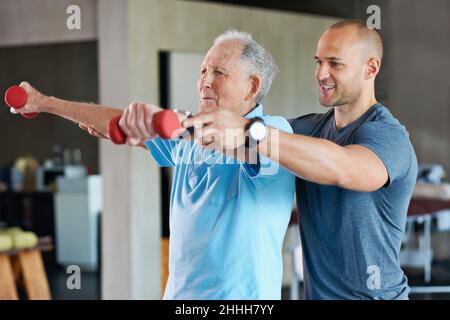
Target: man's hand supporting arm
{"type": "Point", "coordinates": [321, 161]}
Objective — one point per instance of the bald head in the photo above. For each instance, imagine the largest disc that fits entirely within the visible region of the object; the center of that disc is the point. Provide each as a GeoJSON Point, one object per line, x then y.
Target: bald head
{"type": "Point", "coordinates": [370, 39]}
{"type": "Point", "coordinates": [348, 59]}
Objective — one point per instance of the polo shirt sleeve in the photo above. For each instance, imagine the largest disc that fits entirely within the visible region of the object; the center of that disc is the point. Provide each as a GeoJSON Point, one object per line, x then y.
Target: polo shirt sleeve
{"type": "Point", "coordinates": [265, 171]}
{"type": "Point", "coordinates": [164, 151]}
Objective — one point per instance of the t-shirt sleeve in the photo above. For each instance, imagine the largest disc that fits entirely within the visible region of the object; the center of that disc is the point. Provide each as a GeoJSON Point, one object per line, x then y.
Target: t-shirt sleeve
{"type": "Point", "coordinates": [390, 143]}
{"type": "Point", "coordinates": [265, 170]}
{"type": "Point", "coordinates": [305, 124]}
{"type": "Point", "coordinates": [164, 151]}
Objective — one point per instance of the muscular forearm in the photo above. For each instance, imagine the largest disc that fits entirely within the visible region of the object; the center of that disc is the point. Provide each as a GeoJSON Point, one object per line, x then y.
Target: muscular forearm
{"type": "Point", "coordinates": [310, 158]}
{"type": "Point", "coordinates": [94, 116]}
{"type": "Point", "coordinates": [352, 167]}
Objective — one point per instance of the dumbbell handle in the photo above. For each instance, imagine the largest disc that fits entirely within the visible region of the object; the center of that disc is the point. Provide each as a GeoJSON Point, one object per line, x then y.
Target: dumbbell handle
{"type": "Point", "coordinates": [16, 97]}
{"type": "Point", "coordinates": [165, 123]}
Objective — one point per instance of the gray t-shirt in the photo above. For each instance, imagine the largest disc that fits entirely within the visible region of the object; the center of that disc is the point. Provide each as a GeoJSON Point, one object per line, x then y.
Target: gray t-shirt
{"type": "Point", "coordinates": [351, 240]}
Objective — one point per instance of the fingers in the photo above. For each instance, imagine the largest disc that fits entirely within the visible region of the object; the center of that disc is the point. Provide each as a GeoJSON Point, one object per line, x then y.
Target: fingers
{"type": "Point", "coordinates": [123, 122]}
{"type": "Point", "coordinates": [199, 120]}
{"type": "Point", "coordinates": [25, 85]}
{"type": "Point", "coordinates": [206, 135]}
{"type": "Point", "coordinates": [131, 120]}
{"type": "Point", "coordinates": [140, 122]}
{"type": "Point", "coordinates": [83, 126]}
{"type": "Point", "coordinates": [213, 137]}
{"type": "Point", "coordinates": [182, 133]}
{"type": "Point", "coordinates": [148, 121]}
{"type": "Point", "coordinates": [136, 122]}
{"type": "Point", "coordinates": [35, 99]}
{"type": "Point", "coordinates": [133, 141]}
{"type": "Point", "coordinates": [92, 131]}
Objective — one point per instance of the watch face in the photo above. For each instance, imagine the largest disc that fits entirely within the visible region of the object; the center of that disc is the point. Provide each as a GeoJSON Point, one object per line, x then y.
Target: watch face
{"type": "Point", "coordinates": [258, 131]}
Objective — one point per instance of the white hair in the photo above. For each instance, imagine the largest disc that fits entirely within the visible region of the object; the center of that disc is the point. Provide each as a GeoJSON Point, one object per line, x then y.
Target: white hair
{"type": "Point", "coordinates": [256, 59]}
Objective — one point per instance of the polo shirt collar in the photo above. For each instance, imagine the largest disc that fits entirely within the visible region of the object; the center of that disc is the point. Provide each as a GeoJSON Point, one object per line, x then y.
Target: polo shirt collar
{"type": "Point", "coordinates": [256, 112]}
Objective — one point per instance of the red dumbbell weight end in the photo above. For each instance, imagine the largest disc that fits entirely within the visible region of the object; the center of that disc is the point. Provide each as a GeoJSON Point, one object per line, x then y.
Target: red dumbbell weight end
{"type": "Point", "coordinates": [16, 97]}
{"type": "Point", "coordinates": [166, 123]}
{"type": "Point", "coordinates": [115, 133]}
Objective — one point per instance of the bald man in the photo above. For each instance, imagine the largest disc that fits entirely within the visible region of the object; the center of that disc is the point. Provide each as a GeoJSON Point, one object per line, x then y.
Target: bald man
{"type": "Point", "coordinates": [355, 168]}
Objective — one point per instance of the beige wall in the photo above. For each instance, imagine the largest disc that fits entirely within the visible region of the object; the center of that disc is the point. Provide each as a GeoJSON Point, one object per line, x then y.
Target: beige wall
{"type": "Point", "coordinates": [419, 91]}
{"type": "Point", "coordinates": [139, 29]}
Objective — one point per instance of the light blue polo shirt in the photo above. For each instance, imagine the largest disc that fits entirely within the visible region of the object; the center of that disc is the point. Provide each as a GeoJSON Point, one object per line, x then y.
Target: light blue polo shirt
{"type": "Point", "coordinates": [227, 220]}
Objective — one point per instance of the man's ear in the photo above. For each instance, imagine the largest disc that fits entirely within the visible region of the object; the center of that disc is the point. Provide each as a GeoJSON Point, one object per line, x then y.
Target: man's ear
{"type": "Point", "coordinates": [255, 86]}
{"type": "Point", "coordinates": [372, 68]}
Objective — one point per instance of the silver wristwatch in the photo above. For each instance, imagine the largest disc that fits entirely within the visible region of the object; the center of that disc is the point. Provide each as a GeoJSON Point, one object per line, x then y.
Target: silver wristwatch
{"type": "Point", "coordinates": [256, 131]}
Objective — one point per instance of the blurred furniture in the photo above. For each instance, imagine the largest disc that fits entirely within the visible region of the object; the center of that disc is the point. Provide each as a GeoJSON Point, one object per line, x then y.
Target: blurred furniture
{"type": "Point", "coordinates": [46, 177]}
{"type": "Point", "coordinates": [432, 191]}
{"type": "Point", "coordinates": [430, 173]}
{"type": "Point", "coordinates": [78, 204]}
{"type": "Point", "coordinates": [26, 267]}
{"type": "Point", "coordinates": [28, 210]}
{"type": "Point", "coordinates": [421, 212]}
{"type": "Point", "coordinates": [422, 256]}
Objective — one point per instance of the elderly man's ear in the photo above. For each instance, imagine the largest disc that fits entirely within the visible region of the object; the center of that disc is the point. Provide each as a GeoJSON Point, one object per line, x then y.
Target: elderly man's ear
{"type": "Point", "coordinates": [255, 86]}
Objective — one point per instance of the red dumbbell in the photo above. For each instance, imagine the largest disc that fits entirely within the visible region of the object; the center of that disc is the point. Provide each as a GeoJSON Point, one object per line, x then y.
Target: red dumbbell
{"type": "Point", "coordinates": [16, 97]}
{"type": "Point", "coordinates": [165, 122]}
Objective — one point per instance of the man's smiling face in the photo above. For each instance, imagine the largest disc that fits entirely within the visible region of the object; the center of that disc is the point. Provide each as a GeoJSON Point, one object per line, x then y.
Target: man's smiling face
{"type": "Point", "coordinates": [339, 67]}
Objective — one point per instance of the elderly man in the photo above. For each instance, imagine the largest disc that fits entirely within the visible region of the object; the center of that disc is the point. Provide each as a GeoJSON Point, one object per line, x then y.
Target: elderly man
{"type": "Point", "coordinates": [355, 168]}
{"type": "Point", "coordinates": [227, 217]}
